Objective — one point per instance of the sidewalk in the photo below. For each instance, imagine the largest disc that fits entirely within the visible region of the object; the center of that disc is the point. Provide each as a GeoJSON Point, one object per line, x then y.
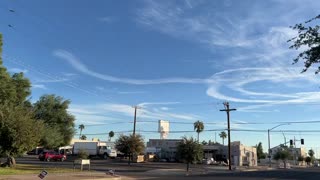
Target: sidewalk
{"type": "Point", "coordinates": [64, 176]}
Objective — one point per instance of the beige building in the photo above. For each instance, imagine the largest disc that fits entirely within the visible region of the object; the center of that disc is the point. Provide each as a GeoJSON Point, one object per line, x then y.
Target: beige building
{"type": "Point", "coordinates": [294, 152]}
{"type": "Point", "coordinates": [240, 154]}
{"type": "Point", "coordinates": [165, 148]}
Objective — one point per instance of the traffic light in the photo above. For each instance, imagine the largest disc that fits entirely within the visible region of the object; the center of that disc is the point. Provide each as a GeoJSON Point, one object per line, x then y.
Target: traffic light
{"type": "Point", "coordinates": [291, 142]}
{"type": "Point", "coordinates": [302, 141]}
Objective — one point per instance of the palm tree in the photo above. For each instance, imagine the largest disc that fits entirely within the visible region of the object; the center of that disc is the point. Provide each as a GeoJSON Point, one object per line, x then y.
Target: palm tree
{"type": "Point", "coordinates": [223, 135]}
{"type": "Point", "coordinates": [81, 127]}
{"type": "Point", "coordinates": [111, 134]}
{"type": "Point", "coordinates": [198, 126]}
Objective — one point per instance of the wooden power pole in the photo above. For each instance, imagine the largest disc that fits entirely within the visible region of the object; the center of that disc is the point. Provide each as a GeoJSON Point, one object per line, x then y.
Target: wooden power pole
{"type": "Point", "coordinates": [135, 119]}
{"type": "Point", "coordinates": [227, 109]}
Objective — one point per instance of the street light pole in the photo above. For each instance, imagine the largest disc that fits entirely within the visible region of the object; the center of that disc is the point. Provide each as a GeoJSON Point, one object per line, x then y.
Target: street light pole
{"type": "Point", "coordinates": [285, 139]}
{"type": "Point", "coordinates": [269, 154]}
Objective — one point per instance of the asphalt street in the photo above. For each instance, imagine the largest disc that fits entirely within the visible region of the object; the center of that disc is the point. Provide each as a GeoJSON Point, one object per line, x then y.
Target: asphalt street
{"type": "Point", "coordinates": [162, 170]}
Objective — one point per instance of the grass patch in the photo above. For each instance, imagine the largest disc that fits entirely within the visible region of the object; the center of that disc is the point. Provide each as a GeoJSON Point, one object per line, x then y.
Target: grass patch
{"type": "Point", "coordinates": [33, 169]}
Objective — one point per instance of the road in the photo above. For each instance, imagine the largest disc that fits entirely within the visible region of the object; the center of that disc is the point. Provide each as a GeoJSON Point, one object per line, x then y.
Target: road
{"type": "Point", "coordinates": [177, 171]}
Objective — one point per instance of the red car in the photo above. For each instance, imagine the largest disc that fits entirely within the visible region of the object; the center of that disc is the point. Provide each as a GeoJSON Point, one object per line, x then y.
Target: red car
{"type": "Point", "coordinates": [51, 155]}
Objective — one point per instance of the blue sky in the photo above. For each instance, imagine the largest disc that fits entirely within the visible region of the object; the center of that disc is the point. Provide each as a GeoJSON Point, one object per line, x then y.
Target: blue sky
{"type": "Point", "coordinates": [178, 60]}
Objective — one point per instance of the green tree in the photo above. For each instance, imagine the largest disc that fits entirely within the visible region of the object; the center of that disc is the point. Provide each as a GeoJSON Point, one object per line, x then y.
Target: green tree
{"type": "Point", "coordinates": [130, 145]}
{"type": "Point", "coordinates": [300, 159]}
{"type": "Point", "coordinates": [204, 142]}
{"type": "Point", "coordinates": [189, 151]}
{"type": "Point", "coordinates": [198, 127]}
{"type": "Point", "coordinates": [59, 124]}
{"type": "Point", "coordinates": [13, 89]}
{"type": "Point", "coordinates": [311, 153]}
{"type": "Point", "coordinates": [19, 132]}
{"type": "Point", "coordinates": [223, 135]}
{"type": "Point", "coordinates": [111, 134]}
{"type": "Point", "coordinates": [308, 160]}
{"type": "Point", "coordinates": [308, 38]}
{"type": "Point", "coordinates": [283, 155]}
{"type": "Point", "coordinates": [81, 127]}
{"type": "Point", "coordinates": [260, 153]}
{"type": "Point", "coordinates": [83, 137]}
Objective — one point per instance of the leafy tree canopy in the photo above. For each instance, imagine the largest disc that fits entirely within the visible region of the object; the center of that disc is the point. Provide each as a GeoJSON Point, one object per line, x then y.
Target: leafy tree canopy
{"type": "Point", "coordinates": [282, 154]}
{"type": "Point", "coordinates": [84, 137]}
{"type": "Point", "coordinates": [311, 153]}
{"type": "Point", "coordinates": [19, 132]}
{"type": "Point", "coordinates": [189, 151]}
{"type": "Point", "coordinates": [59, 124]}
{"type": "Point", "coordinates": [132, 144]}
{"type": "Point", "coordinates": [308, 38]}
{"type": "Point", "coordinates": [260, 153]}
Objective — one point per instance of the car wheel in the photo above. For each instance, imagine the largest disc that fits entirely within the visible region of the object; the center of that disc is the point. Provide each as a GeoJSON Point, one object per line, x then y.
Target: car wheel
{"type": "Point", "coordinates": [105, 156]}
{"type": "Point", "coordinates": [62, 159]}
{"type": "Point", "coordinates": [48, 159]}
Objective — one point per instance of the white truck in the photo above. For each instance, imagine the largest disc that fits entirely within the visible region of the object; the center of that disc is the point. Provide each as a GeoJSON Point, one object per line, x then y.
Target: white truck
{"type": "Point", "coordinates": [95, 149]}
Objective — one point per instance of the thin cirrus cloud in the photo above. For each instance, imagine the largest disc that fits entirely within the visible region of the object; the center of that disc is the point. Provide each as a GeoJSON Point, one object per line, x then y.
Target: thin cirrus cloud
{"type": "Point", "coordinates": [240, 79]}
{"type": "Point", "coordinates": [99, 111]}
{"type": "Point", "coordinates": [236, 80]}
{"type": "Point", "coordinates": [75, 62]}
{"type": "Point", "coordinates": [259, 41]}
{"type": "Point", "coordinates": [18, 70]}
{"type": "Point", "coordinates": [39, 86]}
{"type": "Point", "coordinates": [106, 19]}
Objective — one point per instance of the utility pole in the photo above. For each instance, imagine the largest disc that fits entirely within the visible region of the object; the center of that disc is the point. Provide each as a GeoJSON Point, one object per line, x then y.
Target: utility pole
{"type": "Point", "coordinates": [227, 109]}
{"type": "Point", "coordinates": [135, 119]}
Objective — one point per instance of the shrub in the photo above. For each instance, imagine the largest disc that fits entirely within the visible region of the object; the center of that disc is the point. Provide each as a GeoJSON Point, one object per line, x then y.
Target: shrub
{"type": "Point", "coordinates": [83, 154]}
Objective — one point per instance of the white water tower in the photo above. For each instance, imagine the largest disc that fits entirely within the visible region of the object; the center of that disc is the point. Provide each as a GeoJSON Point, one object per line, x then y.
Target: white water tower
{"type": "Point", "coordinates": [163, 129]}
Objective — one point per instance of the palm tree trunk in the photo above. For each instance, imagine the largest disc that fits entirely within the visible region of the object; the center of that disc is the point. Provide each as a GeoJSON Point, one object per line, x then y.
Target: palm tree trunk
{"type": "Point", "coordinates": [223, 141]}
{"type": "Point", "coordinates": [198, 137]}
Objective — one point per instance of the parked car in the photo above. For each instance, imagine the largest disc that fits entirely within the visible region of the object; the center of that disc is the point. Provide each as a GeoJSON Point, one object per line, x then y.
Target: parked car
{"type": "Point", "coordinates": [51, 155]}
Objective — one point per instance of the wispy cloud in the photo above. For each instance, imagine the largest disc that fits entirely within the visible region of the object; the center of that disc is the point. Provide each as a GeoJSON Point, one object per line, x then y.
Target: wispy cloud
{"type": "Point", "coordinates": [257, 51]}
{"type": "Point", "coordinates": [39, 86]}
{"type": "Point", "coordinates": [75, 62]}
{"type": "Point", "coordinates": [131, 92]}
{"type": "Point", "coordinates": [106, 19]}
{"type": "Point", "coordinates": [49, 80]}
{"type": "Point", "coordinates": [69, 74]}
{"type": "Point", "coordinates": [156, 103]}
{"type": "Point", "coordinates": [101, 112]}
{"type": "Point", "coordinates": [234, 79]}
{"type": "Point", "coordinates": [17, 70]}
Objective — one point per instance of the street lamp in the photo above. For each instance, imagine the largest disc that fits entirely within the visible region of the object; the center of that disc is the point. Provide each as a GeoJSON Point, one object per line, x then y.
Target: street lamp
{"type": "Point", "coordinates": [269, 153]}
{"type": "Point", "coordinates": [285, 139]}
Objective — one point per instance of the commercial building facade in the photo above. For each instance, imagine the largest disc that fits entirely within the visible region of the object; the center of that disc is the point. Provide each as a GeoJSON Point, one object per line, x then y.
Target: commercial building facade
{"type": "Point", "coordinates": [240, 154]}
